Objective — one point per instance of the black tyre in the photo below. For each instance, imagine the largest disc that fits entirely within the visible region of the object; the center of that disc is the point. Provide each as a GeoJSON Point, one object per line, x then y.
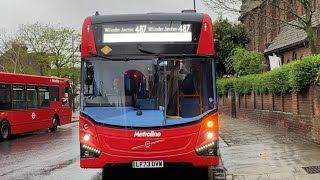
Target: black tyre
{"type": "Point", "coordinates": [5, 130]}
{"type": "Point", "coordinates": [107, 174]}
{"type": "Point", "coordinates": [199, 173]}
{"type": "Point", "coordinates": [54, 124]}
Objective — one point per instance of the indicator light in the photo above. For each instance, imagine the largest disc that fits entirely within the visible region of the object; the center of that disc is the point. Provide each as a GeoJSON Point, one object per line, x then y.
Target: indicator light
{"type": "Point", "coordinates": [210, 124]}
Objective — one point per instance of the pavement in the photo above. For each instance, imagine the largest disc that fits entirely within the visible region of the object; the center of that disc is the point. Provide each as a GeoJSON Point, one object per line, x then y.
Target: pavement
{"type": "Point", "coordinates": [251, 151]}
{"type": "Point", "coordinates": [75, 116]}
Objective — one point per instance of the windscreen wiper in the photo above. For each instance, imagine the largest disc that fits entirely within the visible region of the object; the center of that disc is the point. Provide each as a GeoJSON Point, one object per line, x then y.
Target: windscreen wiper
{"type": "Point", "coordinates": [184, 55]}
{"type": "Point", "coordinates": [145, 51]}
{"type": "Point", "coordinates": [109, 58]}
{"type": "Point", "coordinates": [171, 55]}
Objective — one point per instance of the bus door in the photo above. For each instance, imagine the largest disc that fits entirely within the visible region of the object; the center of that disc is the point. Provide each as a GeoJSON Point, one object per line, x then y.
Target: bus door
{"type": "Point", "coordinates": [66, 110]}
{"type": "Point", "coordinates": [5, 102]}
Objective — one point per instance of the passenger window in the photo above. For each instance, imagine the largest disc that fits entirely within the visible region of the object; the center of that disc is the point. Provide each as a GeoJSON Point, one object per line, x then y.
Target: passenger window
{"type": "Point", "coordinates": [65, 97]}
{"type": "Point", "coordinates": [5, 98]}
{"type": "Point", "coordinates": [54, 94]}
{"type": "Point", "coordinates": [19, 97]}
{"type": "Point", "coordinates": [44, 96]}
{"type": "Point", "coordinates": [32, 97]}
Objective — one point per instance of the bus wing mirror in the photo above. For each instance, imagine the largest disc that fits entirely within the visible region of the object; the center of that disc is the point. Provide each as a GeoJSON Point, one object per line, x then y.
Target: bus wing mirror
{"type": "Point", "coordinates": [89, 78]}
{"type": "Point", "coordinates": [216, 44]}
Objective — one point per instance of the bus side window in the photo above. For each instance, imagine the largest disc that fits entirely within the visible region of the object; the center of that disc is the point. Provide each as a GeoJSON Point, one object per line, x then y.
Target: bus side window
{"type": "Point", "coordinates": [5, 98]}
{"type": "Point", "coordinates": [54, 94]}
{"type": "Point", "coordinates": [44, 96]}
{"type": "Point", "coordinates": [65, 97]}
{"type": "Point", "coordinates": [19, 97]}
{"type": "Point", "coordinates": [32, 97]}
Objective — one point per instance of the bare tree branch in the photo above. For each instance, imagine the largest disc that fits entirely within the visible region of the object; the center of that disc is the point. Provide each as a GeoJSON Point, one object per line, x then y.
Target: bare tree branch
{"type": "Point", "coordinates": [290, 13]}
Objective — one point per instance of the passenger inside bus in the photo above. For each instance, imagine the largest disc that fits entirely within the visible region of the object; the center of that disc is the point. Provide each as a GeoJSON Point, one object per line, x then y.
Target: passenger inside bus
{"type": "Point", "coordinates": [115, 92]}
{"type": "Point", "coordinates": [116, 86]}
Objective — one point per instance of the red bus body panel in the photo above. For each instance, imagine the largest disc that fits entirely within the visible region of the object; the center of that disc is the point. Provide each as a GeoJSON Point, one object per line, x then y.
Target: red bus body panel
{"type": "Point", "coordinates": [206, 43]}
{"type": "Point", "coordinates": [87, 41]}
{"type": "Point", "coordinates": [176, 145]}
{"type": "Point", "coordinates": [22, 120]}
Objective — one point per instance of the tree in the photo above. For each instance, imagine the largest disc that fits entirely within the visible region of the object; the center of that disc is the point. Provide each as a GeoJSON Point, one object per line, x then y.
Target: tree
{"type": "Point", "coordinates": [230, 36]}
{"type": "Point", "coordinates": [13, 55]}
{"type": "Point", "coordinates": [34, 36]}
{"type": "Point", "coordinates": [246, 62]}
{"type": "Point", "coordinates": [63, 49]}
{"type": "Point", "coordinates": [53, 47]}
{"type": "Point", "coordinates": [287, 9]}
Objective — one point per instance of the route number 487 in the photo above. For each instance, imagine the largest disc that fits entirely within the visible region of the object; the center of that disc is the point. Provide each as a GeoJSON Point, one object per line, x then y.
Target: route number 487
{"type": "Point", "coordinates": [141, 29]}
{"type": "Point", "coordinates": [184, 28]}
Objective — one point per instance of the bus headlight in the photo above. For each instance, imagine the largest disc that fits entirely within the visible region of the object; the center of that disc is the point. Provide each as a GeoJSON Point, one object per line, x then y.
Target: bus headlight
{"type": "Point", "coordinates": [210, 135]}
{"type": "Point", "coordinates": [210, 149]}
{"type": "Point", "coordinates": [89, 152]}
{"type": "Point", "coordinates": [86, 137]}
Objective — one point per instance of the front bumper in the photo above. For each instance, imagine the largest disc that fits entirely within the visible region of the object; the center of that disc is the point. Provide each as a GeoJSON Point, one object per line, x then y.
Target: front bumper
{"type": "Point", "coordinates": [188, 158]}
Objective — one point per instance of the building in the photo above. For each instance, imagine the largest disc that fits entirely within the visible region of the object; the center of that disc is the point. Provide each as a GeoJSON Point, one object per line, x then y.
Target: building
{"type": "Point", "coordinates": [270, 32]}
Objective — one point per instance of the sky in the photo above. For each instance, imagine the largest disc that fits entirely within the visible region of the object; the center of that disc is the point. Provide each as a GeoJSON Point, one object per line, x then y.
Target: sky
{"type": "Point", "coordinates": [71, 13]}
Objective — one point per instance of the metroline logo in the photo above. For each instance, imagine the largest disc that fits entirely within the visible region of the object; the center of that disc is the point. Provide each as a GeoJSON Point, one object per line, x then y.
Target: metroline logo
{"type": "Point", "coordinates": [146, 134]}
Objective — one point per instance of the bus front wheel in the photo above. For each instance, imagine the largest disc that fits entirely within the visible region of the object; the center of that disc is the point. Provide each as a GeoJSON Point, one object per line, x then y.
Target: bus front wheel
{"type": "Point", "coordinates": [5, 130]}
{"type": "Point", "coordinates": [54, 124]}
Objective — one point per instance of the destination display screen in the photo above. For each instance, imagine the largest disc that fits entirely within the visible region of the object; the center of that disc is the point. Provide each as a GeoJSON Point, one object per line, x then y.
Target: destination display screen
{"type": "Point", "coordinates": [152, 32]}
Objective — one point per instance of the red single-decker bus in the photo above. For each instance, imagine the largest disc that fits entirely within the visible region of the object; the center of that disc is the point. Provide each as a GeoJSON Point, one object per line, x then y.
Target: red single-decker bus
{"type": "Point", "coordinates": [29, 103]}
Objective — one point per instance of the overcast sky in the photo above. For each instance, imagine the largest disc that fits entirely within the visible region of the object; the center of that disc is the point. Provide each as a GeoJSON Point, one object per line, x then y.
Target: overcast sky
{"type": "Point", "coordinates": [71, 13]}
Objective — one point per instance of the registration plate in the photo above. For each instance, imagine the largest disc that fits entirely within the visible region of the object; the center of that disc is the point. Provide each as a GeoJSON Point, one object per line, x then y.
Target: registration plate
{"type": "Point", "coordinates": [147, 164]}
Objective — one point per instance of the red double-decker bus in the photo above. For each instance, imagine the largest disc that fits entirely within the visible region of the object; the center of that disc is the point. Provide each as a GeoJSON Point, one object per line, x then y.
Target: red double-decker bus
{"type": "Point", "coordinates": [148, 95]}
{"type": "Point", "coordinates": [29, 103]}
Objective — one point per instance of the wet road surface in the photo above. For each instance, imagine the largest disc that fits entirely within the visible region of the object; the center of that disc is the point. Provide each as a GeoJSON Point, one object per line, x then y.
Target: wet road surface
{"type": "Point", "coordinates": [55, 155]}
{"type": "Point", "coordinates": [44, 155]}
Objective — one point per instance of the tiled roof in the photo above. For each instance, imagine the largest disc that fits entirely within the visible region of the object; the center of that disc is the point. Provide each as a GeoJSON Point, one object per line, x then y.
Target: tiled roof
{"type": "Point", "coordinates": [291, 35]}
{"type": "Point", "coordinates": [249, 6]}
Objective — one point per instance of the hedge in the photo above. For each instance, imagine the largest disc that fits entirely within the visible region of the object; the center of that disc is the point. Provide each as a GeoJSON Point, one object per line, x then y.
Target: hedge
{"type": "Point", "coordinates": [293, 77]}
{"type": "Point", "coordinates": [223, 85]}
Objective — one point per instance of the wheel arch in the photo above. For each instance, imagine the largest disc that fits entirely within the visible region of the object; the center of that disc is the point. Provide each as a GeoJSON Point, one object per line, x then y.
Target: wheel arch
{"type": "Point", "coordinates": [5, 119]}
{"type": "Point", "coordinates": [9, 128]}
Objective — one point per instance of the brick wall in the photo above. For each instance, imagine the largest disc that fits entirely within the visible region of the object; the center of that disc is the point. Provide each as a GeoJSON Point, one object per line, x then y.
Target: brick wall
{"type": "Point", "coordinates": [295, 113]}
{"type": "Point", "coordinates": [300, 52]}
